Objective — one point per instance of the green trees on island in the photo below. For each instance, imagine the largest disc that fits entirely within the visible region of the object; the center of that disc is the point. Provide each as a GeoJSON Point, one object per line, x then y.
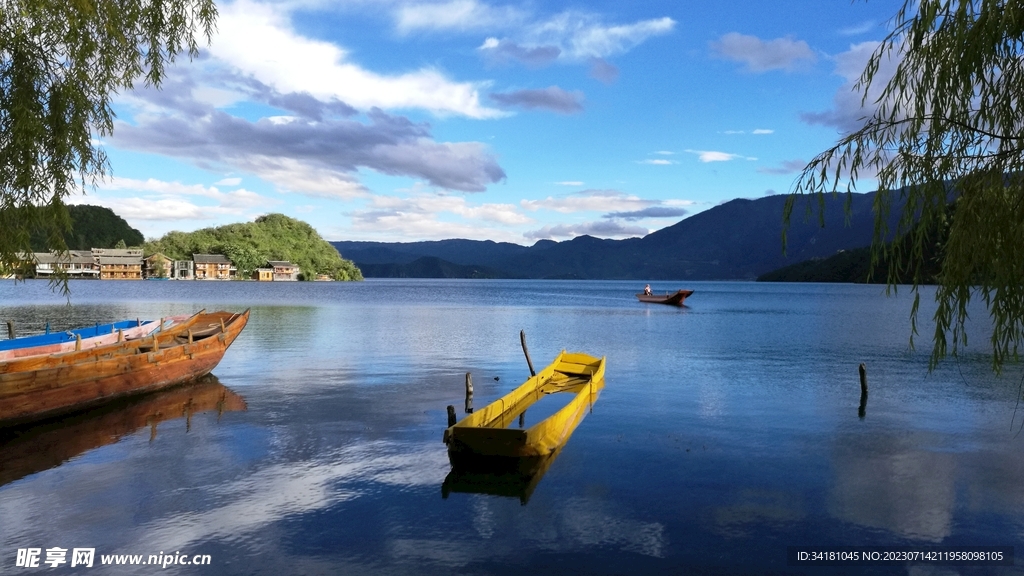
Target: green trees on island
{"type": "Point", "coordinates": [60, 64]}
{"type": "Point", "coordinates": [947, 127]}
{"type": "Point", "coordinates": [251, 244]}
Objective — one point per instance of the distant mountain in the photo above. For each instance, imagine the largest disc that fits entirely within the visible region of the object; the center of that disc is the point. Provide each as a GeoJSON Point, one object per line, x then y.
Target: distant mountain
{"type": "Point", "coordinates": [428, 267]}
{"type": "Point", "coordinates": [737, 240]}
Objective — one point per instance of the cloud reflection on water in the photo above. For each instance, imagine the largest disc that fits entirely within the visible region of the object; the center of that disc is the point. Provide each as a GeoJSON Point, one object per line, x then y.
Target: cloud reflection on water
{"type": "Point", "coordinates": [890, 482]}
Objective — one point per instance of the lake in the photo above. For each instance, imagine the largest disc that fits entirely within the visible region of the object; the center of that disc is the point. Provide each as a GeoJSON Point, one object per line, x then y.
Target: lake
{"type": "Point", "coordinates": [727, 432]}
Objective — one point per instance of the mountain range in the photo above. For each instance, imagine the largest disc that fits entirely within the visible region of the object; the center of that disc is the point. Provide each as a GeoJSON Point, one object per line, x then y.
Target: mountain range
{"type": "Point", "coordinates": [737, 240]}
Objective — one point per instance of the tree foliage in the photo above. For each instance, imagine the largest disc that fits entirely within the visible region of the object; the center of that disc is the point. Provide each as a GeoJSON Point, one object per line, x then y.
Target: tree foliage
{"type": "Point", "coordinates": [249, 245]}
{"type": "Point", "coordinates": [61, 61]}
{"type": "Point", "coordinates": [92, 227]}
{"type": "Point", "coordinates": [947, 127]}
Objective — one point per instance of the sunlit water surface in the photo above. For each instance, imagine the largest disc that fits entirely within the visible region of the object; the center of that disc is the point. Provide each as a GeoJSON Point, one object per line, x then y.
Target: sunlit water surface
{"type": "Point", "coordinates": [727, 431]}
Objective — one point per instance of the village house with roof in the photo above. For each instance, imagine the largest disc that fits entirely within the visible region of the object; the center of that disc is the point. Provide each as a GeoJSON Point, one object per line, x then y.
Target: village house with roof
{"type": "Point", "coordinates": [119, 263]}
{"type": "Point", "coordinates": [77, 264]}
{"type": "Point", "coordinates": [213, 267]}
{"type": "Point", "coordinates": [282, 270]}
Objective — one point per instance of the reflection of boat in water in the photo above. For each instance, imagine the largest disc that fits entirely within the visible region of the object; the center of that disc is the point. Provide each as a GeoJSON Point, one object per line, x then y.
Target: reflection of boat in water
{"type": "Point", "coordinates": [486, 432]}
{"type": "Point", "coordinates": [676, 299]}
{"type": "Point", "coordinates": [43, 386]}
{"type": "Point", "coordinates": [512, 477]}
{"type": "Point", "coordinates": [29, 449]}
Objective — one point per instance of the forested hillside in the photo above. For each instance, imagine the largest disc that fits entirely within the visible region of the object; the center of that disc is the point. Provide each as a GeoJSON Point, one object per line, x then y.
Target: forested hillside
{"type": "Point", "coordinates": [93, 227]}
{"type": "Point", "coordinates": [250, 244]}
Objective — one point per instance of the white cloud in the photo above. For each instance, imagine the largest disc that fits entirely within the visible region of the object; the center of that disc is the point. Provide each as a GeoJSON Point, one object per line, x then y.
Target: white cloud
{"type": "Point", "coordinates": [848, 112]}
{"type": "Point", "coordinates": [570, 183]}
{"type": "Point", "coordinates": [763, 131]}
{"type": "Point", "coordinates": [575, 36]}
{"type": "Point", "coordinates": [236, 200]}
{"type": "Point", "coordinates": [462, 15]}
{"type": "Point", "coordinates": [157, 209]}
{"type": "Point", "coordinates": [656, 162]}
{"type": "Point", "coordinates": [600, 229]}
{"type": "Point", "coordinates": [856, 29]}
{"type": "Point", "coordinates": [590, 201]}
{"type": "Point", "coordinates": [436, 216]}
{"type": "Point", "coordinates": [258, 40]}
{"type": "Point", "coordinates": [715, 156]}
{"type": "Point", "coordinates": [229, 182]}
{"type": "Point", "coordinates": [761, 56]}
{"type": "Point", "coordinates": [586, 38]}
{"type": "Point", "coordinates": [292, 175]}
{"type": "Point", "coordinates": [665, 152]}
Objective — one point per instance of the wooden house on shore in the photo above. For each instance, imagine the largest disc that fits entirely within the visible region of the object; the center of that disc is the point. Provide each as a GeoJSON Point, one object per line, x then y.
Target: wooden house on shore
{"type": "Point", "coordinates": [213, 267]}
{"type": "Point", "coordinates": [283, 271]}
{"type": "Point", "coordinates": [76, 264]}
{"type": "Point", "coordinates": [119, 263]}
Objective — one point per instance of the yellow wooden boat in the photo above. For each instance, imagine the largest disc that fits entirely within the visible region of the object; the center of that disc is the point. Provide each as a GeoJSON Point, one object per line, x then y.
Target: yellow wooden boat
{"type": "Point", "coordinates": [486, 432]}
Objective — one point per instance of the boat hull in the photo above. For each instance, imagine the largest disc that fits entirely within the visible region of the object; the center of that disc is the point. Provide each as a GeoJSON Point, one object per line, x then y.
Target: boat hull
{"type": "Point", "coordinates": [485, 433]}
{"type": "Point", "coordinates": [41, 387]}
{"type": "Point", "coordinates": [676, 299]}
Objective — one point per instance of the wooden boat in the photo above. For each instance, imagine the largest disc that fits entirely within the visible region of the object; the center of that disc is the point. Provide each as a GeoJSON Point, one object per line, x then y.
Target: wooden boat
{"type": "Point", "coordinates": [676, 299]}
{"type": "Point", "coordinates": [486, 432]}
{"type": "Point", "coordinates": [27, 450]}
{"type": "Point", "coordinates": [82, 338]}
{"type": "Point", "coordinates": [42, 386]}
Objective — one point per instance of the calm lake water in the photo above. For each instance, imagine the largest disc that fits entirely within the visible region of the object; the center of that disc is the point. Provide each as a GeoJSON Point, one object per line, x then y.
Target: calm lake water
{"type": "Point", "coordinates": [727, 431]}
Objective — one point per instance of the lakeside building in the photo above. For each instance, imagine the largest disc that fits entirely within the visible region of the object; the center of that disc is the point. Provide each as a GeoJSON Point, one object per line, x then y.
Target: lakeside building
{"type": "Point", "coordinates": [158, 266]}
{"type": "Point", "coordinates": [283, 270]}
{"type": "Point", "coordinates": [263, 274]}
{"type": "Point", "coordinates": [213, 267]}
{"type": "Point", "coordinates": [118, 264]}
{"type": "Point", "coordinates": [184, 270]}
{"type": "Point", "coordinates": [77, 264]}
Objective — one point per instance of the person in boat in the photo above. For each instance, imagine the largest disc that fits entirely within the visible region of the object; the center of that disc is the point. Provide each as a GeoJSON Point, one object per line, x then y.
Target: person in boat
{"type": "Point", "coordinates": [647, 290]}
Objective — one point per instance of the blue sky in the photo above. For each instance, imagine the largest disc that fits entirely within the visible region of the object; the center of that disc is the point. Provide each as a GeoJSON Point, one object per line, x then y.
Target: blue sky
{"type": "Point", "coordinates": [398, 120]}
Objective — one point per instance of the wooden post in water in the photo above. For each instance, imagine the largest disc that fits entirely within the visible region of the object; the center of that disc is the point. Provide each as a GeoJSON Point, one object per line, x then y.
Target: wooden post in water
{"type": "Point", "coordinates": [10, 329]}
{"type": "Point", "coordinates": [78, 342]}
{"type": "Point", "coordinates": [862, 411]}
{"type": "Point", "coordinates": [451, 415]}
{"type": "Point", "coordinates": [522, 339]}
{"type": "Point", "coordinates": [469, 393]}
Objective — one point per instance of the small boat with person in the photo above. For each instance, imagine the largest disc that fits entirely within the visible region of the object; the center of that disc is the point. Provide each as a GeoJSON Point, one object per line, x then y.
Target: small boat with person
{"type": "Point", "coordinates": [488, 433]}
{"type": "Point", "coordinates": [38, 387]}
{"type": "Point", "coordinates": [675, 299]}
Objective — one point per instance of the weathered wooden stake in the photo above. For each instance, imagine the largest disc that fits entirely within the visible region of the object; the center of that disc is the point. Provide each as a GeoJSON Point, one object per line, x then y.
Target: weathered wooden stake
{"type": "Point", "coordinates": [522, 338]}
{"type": "Point", "coordinates": [451, 415]}
{"type": "Point", "coordinates": [10, 329]}
{"type": "Point", "coordinates": [469, 384]}
{"type": "Point", "coordinates": [522, 419]}
{"type": "Point", "coordinates": [469, 404]}
{"type": "Point", "coordinates": [78, 342]}
{"type": "Point", "coordinates": [862, 410]}
{"type": "Point", "coordinates": [120, 335]}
